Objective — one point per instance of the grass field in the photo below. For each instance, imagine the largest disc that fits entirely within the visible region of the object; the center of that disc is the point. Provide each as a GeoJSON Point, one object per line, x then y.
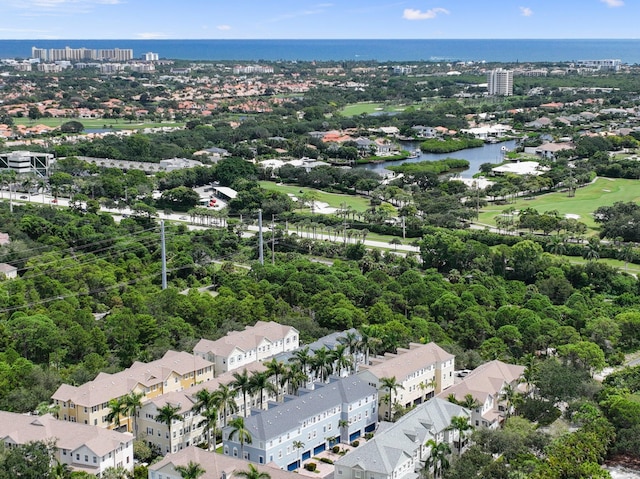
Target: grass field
{"type": "Point", "coordinates": [368, 108]}
{"type": "Point", "coordinates": [358, 203]}
{"type": "Point", "coordinates": [603, 192]}
{"type": "Point", "coordinates": [94, 123]}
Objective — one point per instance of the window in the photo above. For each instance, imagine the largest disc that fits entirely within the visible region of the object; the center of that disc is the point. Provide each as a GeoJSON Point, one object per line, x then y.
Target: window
{"type": "Point", "coordinates": [86, 458]}
{"type": "Point", "coordinates": [77, 457]}
{"type": "Point", "coordinates": [95, 460]}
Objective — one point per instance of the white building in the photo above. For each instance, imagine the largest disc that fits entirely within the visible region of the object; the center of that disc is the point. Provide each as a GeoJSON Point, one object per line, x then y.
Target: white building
{"type": "Point", "coordinates": [26, 162]}
{"type": "Point", "coordinates": [84, 448]}
{"type": "Point", "coordinates": [422, 371]}
{"type": "Point", "coordinates": [485, 384]}
{"type": "Point", "coordinates": [256, 343]}
{"type": "Point", "coordinates": [500, 82]}
{"type": "Point", "coordinates": [8, 271]}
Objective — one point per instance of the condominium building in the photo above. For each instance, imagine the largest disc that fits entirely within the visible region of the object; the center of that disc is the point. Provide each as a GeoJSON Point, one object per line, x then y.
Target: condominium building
{"type": "Point", "coordinates": [421, 371]}
{"type": "Point", "coordinates": [83, 448]}
{"type": "Point", "coordinates": [82, 54]}
{"type": "Point", "coordinates": [89, 403]}
{"type": "Point", "coordinates": [399, 450]}
{"type": "Point", "coordinates": [254, 343]}
{"type": "Point", "coordinates": [602, 65]}
{"type": "Point", "coordinates": [26, 162]}
{"type": "Point", "coordinates": [189, 428]}
{"type": "Point", "coordinates": [486, 384]}
{"type": "Point", "coordinates": [500, 82]}
{"type": "Point", "coordinates": [339, 411]}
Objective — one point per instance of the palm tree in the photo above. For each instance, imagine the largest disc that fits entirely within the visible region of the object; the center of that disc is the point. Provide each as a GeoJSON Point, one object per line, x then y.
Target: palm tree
{"type": "Point", "coordinates": [343, 424]}
{"type": "Point", "coordinates": [295, 378]}
{"type": "Point", "coordinates": [276, 369]}
{"type": "Point", "coordinates": [469, 402]}
{"type": "Point", "coordinates": [460, 424]}
{"type": "Point", "coordinates": [302, 357]}
{"type": "Point", "coordinates": [252, 473]}
{"type": "Point", "coordinates": [391, 385]}
{"type": "Point", "coordinates": [115, 473]}
{"type": "Point", "coordinates": [437, 459]}
{"type": "Point", "coordinates": [339, 358]}
{"type": "Point", "coordinates": [225, 399]}
{"type": "Point", "coordinates": [322, 364]}
{"type": "Point", "coordinates": [370, 341]}
{"type": "Point", "coordinates": [530, 372]}
{"type": "Point", "coordinates": [508, 396]}
{"type": "Point", "coordinates": [239, 430]}
{"type": "Point", "coordinates": [206, 406]}
{"type": "Point", "coordinates": [242, 383]}
{"type": "Point", "coordinates": [297, 445]}
{"type": "Point", "coordinates": [133, 402]}
{"type": "Point", "coordinates": [352, 341]}
{"type": "Point", "coordinates": [193, 470]}
{"type": "Point", "coordinates": [261, 381]}
{"type": "Point", "coordinates": [166, 415]}
{"type": "Point", "coordinates": [60, 470]}
{"type": "Point", "coordinates": [117, 408]}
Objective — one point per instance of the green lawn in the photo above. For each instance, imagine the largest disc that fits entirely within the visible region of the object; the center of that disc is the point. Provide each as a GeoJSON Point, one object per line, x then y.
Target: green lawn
{"type": "Point", "coordinates": [92, 123]}
{"type": "Point", "coordinates": [358, 203]}
{"type": "Point", "coordinates": [604, 192]}
{"type": "Point", "coordinates": [368, 108]}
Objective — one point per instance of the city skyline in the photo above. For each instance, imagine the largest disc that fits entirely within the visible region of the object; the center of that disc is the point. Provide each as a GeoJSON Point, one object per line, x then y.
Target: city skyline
{"type": "Point", "coordinates": [304, 19]}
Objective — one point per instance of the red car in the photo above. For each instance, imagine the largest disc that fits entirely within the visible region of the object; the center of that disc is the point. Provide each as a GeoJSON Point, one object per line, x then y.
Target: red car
{"type": "Point", "coordinates": [54, 200]}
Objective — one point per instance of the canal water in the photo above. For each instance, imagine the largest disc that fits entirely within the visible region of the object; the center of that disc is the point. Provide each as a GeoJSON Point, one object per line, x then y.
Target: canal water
{"type": "Point", "coordinates": [488, 153]}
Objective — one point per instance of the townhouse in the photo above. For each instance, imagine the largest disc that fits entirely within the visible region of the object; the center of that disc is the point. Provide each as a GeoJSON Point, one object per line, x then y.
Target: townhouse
{"type": "Point", "coordinates": [216, 466]}
{"type": "Point", "coordinates": [421, 371]}
{"type": "Point", "coordinates": [189, 429]}
{"type": "Point", "coordinates": [89, 403]}
{"type": "Point", "coordinates": [399, 450]}
{"type": "Point", "coordinates": [290, 432]}
{"type": "Point", "coordinates": [254, 343]}
{"type": "Point", "coordinates": [486, 384]}
{"type": "Point", "coordinates": [83, 448]}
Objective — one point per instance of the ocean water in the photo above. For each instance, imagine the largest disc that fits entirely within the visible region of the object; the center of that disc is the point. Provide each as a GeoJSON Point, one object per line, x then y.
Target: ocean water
{"type": "Point", "coordinates": [353, 50]}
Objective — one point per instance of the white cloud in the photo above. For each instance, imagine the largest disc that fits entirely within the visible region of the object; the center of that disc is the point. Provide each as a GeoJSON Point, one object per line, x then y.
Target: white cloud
{"type": "Point", "coordinates": [413, 14]}
{"type": "Point", "coordinates": [224, 28]}
{"type": "Point", "coordinates": [57, 6]}
{"type": "Point", "coordinates": [526, 11]}
{"type": "Point", "coordinates": [613, 3]}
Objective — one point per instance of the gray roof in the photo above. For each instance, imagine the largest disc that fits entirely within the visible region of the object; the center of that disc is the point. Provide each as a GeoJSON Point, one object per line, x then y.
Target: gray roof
{"type": "Point", "coordinates": [391, 445]}
{"type": "Point", "coordinates": [330, 341]}
{"type": "Point", "coordinates": [289, 415]}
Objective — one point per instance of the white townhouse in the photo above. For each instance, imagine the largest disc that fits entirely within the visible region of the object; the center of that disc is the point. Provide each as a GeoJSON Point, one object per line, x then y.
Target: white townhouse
{"type": "Point", "coordinates": [82, 447]}
{"type": "Point", "coordinates": [189, 429]}
{"type": "Point", "coordinates": [339, 411]}
{"type": "Point", "coordinates": [398, 450]}
{"type": "Point", "coordinates": [421, 371]}
{"type": "Point", "coordinates": [254, 343]}
{"type": "Point", "coordinates": [486, 384]}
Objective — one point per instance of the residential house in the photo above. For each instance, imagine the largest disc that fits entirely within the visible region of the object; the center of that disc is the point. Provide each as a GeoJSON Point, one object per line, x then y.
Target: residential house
{"type": "Point", "coordinates": [189, 429]}
{"type": "Point", "coordinates": [486, 384]}
{"type": "Point", "coordinates": [83, 448]}
{"type": "Point", "coordinates": [254, 343]}
{"type": "Point", "coordinates": [89, 403]}
{"type": "Point", "coordinates": [551, 150]}
{"type": "Point", "coordinates": [339, 411]}
{"type": "Point", "coordinates": [8, 271]}
{"type": "Point", "coordinates": [399, 450]}
{"type": "Point", "coordinates": [215, 466]}
{"type": "Point", "coordinates": [421, 371]}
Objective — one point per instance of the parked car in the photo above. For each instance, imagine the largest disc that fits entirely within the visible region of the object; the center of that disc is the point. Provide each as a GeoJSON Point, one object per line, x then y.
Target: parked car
{"type": "Point", "coordinates": [54, 200]}
{"type": "Point", "coordinates": [24, 197]}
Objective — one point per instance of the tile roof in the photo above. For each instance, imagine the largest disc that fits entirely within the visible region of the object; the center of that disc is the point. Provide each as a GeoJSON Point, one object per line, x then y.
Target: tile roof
{"type": "Point", "coordinates": [407, 361]}
{"type": "Point", "coordinates": [21, 429]}
{"type": "Point", "coordinates": [110, 386]}
{"type": "Point", "coordinates": [244, 340]}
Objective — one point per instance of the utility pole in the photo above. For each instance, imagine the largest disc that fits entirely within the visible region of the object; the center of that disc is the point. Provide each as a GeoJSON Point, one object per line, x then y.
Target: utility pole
{"type": "Point", "coordinates": [404, 229]}
{"type": "Point", "coordinates": [260, 241]}
{"type": "Point", "coordinates": [164, 256]}
{"type": "Point", "coordinates": [273, 240]}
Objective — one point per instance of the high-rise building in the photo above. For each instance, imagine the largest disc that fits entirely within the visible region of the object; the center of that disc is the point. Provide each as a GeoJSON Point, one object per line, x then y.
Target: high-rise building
{"type": "Point", "coordinates": [500, 82]}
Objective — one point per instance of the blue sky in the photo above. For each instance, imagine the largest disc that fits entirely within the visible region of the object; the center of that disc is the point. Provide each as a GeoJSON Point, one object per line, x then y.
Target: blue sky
{"type": "Point", "coordinates": [294, 19]}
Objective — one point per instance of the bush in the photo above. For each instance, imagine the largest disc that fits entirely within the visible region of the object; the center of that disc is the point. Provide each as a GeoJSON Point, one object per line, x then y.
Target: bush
{"type": "Point", "coordinates": [310, 466]}
{"type": "Point", "coordinates": [326, 460]}
{"type": "Point", "coordinates": [368, 436]}
{"type": "Point", "coordinates": [335, 449]}
{"type": "Point", "coordinates": [355, 443]}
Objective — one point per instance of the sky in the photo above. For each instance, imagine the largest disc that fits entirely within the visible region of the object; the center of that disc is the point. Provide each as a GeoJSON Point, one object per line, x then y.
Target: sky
{"type": "Point", "coordinates": [305, 19]}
